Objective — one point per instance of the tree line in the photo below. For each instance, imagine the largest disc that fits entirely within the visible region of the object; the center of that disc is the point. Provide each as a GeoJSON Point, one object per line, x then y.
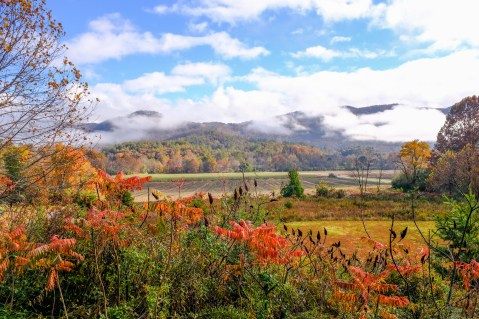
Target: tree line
{"type": "Point", "coordinates": [218, 152]}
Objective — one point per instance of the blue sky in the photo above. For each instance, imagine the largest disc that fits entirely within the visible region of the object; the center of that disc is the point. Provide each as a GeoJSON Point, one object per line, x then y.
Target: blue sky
{"type": "Point", "coordinates": [234, 61]}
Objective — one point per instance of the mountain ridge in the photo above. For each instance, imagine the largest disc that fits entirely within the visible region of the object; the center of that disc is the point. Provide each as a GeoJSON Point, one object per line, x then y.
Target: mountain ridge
{"type": "Point", "coordinates": [295, 127]}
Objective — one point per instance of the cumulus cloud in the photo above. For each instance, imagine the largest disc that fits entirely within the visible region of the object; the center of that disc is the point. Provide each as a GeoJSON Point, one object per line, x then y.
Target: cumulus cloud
{"type": "Point", "coordinates": [232, 11]}
{"type": "Point", "coordinates": [211, 71]}
{"type": "Point", "coordinates": [445, 25]}
{"type": "Point", "coordinates": [160, 9]}
{"type": "Point", "coordinates": [402, 123]}
{"type": "Point", "coordinates": [428, 82]}
{"type": "Point", "coordinates": [198, 27]}
{"type": "Point", "coordinates": [326, 54]}
{"type": "Point", "coordinates": [337, 39]}
{"type": "Point", "coordinates": [112, 37]}
{"type": "Point", "coordinates": [159, 83]}
{"type": "Point", "coordinates": [144, 92]}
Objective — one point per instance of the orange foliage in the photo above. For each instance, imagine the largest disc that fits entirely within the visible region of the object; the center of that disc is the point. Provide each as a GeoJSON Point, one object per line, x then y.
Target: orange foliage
{"type": "Point", "coordinates": [109, 184]}
{"type": "Point", "coordinates": [469, 273]}
{"type": "Point", "coordinates": [13, 250]}
{"type": "Point", "coordinates": [368, 288]}
{"type": "Point", "coordinates": [263, 241]}
{"type": "Point", "coordinates": [113, 187]}
{"type": "Point", "coordinates": [106, 225]}
{"type": "Point", "coordinates": [180, 210]}
{"type": "Point", "coordinates": [51, 257]}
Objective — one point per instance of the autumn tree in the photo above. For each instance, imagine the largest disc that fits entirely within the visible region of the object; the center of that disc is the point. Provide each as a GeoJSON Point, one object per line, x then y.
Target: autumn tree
{"type": "Point", "coordinates": [42, 97]}
{"type": "Point", "coordinates": [41, 93]}
{"type": "Point", "coordinates": [461, 127]}
{"type": "Point", "coordinates": [456, 173]}
{"type": "Point", "coordinates": [456, 155]}
{"type": "Point", "coordinates": [413, 161]}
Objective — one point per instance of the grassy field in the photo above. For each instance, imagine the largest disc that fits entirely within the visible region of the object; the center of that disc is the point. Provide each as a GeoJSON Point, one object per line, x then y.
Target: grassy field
{"type": "Point", "coordinates": [340, 216]}
{"type": "Point", "coordinates": [268, 182]}
{"type": "Point", "coordinates": [352, 235]}
{"type": "Point", "coordinates": [387, 174]}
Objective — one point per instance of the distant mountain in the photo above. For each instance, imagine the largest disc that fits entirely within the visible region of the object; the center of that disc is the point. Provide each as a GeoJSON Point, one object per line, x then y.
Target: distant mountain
{"type": "Point", "coordinates": [370, 109]}
{"type": "Point", "coordinates": [295, 127]}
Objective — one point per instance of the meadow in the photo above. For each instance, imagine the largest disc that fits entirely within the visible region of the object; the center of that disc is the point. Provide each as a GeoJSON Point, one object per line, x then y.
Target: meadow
{"type": "Point", "coordinates": [268, 182]}
{"type": "Point", "coordinates": [353, 237]}
{"type": "Point", "coordinates": [340, 216]}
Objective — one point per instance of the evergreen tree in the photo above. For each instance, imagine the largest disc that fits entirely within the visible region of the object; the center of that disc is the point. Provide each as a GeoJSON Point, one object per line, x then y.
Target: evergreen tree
{"type": "Point", "coordinates": [294, 188]}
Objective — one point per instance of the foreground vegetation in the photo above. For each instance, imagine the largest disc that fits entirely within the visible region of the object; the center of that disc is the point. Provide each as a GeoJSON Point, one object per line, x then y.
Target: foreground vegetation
{"type": "Point", "coordinates": [74, 244]}
{"type": "Point", "coordinates": [100, 255]}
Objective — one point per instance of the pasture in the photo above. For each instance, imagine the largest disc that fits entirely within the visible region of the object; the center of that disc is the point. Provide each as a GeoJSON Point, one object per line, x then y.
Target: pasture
{"type": "Point", "coordinates": [352, 235]}
{"type": "Point", "coordinates": [269, 183]}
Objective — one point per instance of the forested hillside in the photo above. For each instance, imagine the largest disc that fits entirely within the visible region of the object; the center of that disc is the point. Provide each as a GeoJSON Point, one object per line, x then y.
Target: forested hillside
{"type": "Point", "coordinates": [215, 151]}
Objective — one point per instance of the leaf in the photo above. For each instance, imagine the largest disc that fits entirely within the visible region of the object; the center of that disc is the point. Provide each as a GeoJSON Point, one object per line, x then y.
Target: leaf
{"type": "Point", "coordinates": [52, 278]}
{"type": "Point", "coordinates": [403, 234]}
{"type": "Point", "coordinates": [393, 234]}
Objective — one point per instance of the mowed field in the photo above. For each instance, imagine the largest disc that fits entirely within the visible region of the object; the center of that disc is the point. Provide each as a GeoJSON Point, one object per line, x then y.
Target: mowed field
{"type": "Point", "coordinates": [268, 182]}
{"type": "Point", "coordinates": [353, 237]}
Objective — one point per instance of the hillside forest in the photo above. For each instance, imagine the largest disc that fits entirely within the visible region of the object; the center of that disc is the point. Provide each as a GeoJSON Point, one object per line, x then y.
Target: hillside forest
{"type": "Point", "coordinates": [215, 151]}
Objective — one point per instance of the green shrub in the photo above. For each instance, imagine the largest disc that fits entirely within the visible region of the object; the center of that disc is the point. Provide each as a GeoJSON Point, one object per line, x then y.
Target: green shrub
{"type": "Point", "coordinates": [127, 199]}
{"type": "Point", "coordinates": [323, 189]}
{"type": "Point", "coordinates": [403, 183]}
{"type": "Point", "coordinates": [288, 205]}
{"type": "Point", "coordinates": [340, 193]}
{"type": "Point", "coordinates": [85, 199]}
{"type": "Point", "coordinates": [452, 227]}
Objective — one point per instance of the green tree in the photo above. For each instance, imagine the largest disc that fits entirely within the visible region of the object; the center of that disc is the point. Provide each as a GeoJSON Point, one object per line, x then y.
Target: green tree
{"type": "Point", "coordinates": [459, 229]}
{"type": "Point", "coordinates": [294, 187]}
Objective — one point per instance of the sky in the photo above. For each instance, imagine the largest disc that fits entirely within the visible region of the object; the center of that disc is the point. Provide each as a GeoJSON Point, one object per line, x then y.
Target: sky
{"type": "Point", "coordinates": [252, 60]}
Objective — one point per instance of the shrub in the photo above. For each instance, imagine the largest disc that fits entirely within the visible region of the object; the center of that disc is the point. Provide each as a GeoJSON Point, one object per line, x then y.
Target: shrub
{"type": "Point", "coordinates": [452, 227]}
{"type": "Point", "coordinates": [288, 205]}
{"type": "Point", "coordinates": [323, 189]}
{"type": "Point", "coordinates": [401, 182]}
{"type": "Point", "coordinates": [127, 199]}
{"type": "Point", "coordinates": [340, 193]}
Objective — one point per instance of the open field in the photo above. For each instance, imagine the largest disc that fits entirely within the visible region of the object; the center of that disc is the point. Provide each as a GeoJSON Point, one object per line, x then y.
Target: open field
{"type": "Point", "coordinates": [352, 235]}
{"type": "Point", "coordinates": [374, 207]}
{"type": "Point", "coordinates": [268, 182]}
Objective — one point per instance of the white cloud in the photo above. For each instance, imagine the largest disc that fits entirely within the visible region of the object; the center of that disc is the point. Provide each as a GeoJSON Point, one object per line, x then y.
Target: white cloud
{"type": "Point", "coordinates": [337, 39]}
{"type": "Point", "coordinates": [428, 82]}
{"type": "Point", "coordinates": [159, 83]}
{"type": "Point", "coordinates": [297, 31]}
{"type": "Point", "coordinates": [198, 27]}
{"type": "Point", "coordinates": [160, 9]}
{"type": "Point", "coordinates": [326, 54]}
{"type": "Point", "coordinates": [112, 37]}
{"type": "Point", "coordinates": [445, 24]}
{"type": "Point", "coordinates": [319, 52]}
{"type": "Point", "coordinates": [221, 42]}
{"type": "Point", "coordinates": [142, 93]}
{"type": "Point", "coordinates": [211, 71]}
{"type": "Point", "coordinates": [402, 123]}
{"type": "Point", "coordinates": [232, 11]}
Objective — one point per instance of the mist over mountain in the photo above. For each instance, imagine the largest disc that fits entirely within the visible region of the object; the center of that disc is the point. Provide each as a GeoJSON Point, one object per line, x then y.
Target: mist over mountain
{"type": "Point", "coordinates": [296, 127]}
